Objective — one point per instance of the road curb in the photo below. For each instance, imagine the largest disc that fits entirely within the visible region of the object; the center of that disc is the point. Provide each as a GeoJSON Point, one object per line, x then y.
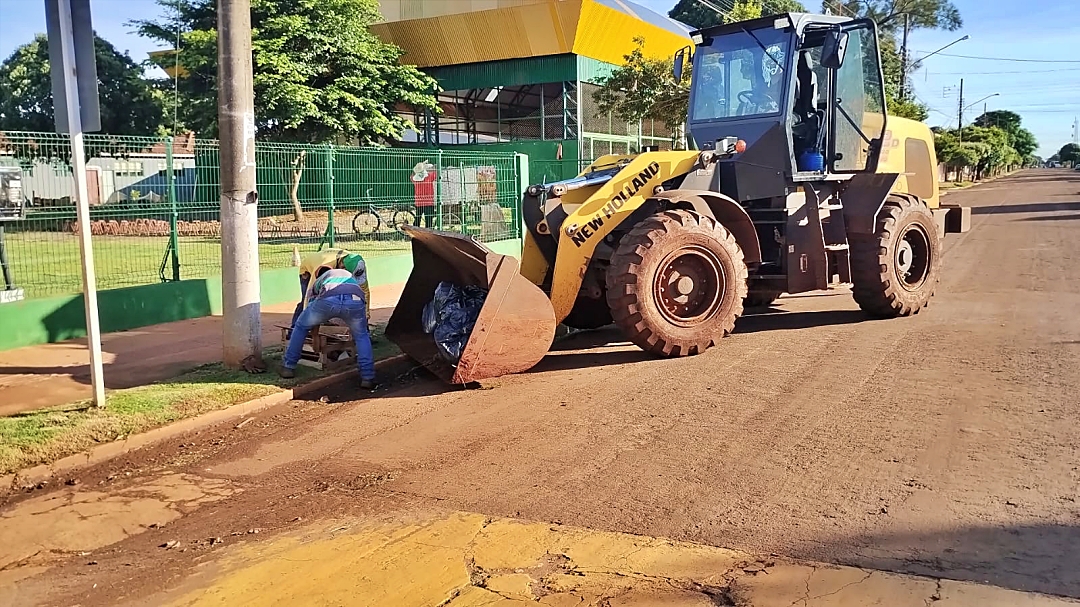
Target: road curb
{"type": "Point", "coordinates": [106, 451]}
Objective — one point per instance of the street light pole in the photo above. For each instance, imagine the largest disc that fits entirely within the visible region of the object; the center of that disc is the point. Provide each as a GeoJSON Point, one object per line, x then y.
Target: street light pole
{"type": "Point", "coordinates": [918, 62]}
{"type": "Point", "coordinates": [242, 326]}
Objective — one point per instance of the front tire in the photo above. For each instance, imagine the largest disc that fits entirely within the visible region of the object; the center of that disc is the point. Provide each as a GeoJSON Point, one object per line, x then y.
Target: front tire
{"type": "Point", "coordinates": [676, 283]}
{"type": "Point", "coordinates": [896, 269]}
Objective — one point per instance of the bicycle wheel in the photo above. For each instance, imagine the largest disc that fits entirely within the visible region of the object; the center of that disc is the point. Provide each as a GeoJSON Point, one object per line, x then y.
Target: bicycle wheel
{"type": "Point", "coordinates": [366, 223]}
{"type": "Point", "coordinates": [404, 216]}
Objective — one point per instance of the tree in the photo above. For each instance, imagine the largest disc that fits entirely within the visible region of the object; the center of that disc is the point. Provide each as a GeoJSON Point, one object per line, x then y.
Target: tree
{"type": "Point", "coordinates": [1020, 139]}
{"type": "Point", "coordinates": [698, 16]}
{"type": "Point", "coordinates": [997, 154]}
{"type": "Point", "coordinates": [130, 105]}
{"type": "Point", "coordinates": [644, 88]}
{"type": "Point", "coordinates": [1070, 152]}
{"type": "Point", "coordinates": [319, 73]}
{"type": "Point", "coordinates": [889, 14]}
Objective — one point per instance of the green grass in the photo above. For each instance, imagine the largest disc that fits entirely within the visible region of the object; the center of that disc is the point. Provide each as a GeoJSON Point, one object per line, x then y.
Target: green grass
{"type": "Point", "coordinates": [48, 263]}
{"type": "Point", "coordinates": [46, 435]}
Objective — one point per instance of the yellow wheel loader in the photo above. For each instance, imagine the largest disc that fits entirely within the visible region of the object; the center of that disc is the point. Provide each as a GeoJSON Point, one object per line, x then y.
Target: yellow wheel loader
{"type": "Point", "coordinates": [800, 181]}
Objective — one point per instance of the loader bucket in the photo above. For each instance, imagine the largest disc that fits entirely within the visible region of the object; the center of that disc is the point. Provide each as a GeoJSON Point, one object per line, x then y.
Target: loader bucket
{"type": "Point", "coordinates": [515, 327]}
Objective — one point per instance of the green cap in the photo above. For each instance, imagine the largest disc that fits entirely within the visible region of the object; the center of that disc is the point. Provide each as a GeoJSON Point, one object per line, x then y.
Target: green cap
{"type": "Point", "coordinates": [353, 261]}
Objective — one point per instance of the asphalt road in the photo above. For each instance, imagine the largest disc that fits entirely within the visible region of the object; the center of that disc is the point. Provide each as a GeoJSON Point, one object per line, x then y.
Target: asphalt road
{"type": "Point", "coordinates": [946, 444]}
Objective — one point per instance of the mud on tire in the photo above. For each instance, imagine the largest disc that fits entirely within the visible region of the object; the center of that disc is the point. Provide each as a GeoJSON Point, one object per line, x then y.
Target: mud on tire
{"type": "Point", "coordinates": [896, 269]}
{"type": "Point", "coordinates": [676, 283]}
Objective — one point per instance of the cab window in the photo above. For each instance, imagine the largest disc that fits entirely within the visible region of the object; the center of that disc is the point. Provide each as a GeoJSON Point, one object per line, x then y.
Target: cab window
{"type": "Point", "coordinates": [738, 76]}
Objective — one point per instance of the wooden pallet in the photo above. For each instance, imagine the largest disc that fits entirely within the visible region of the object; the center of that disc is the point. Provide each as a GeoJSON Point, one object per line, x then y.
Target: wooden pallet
{"type": "Point", "coordinates": [327, 346]}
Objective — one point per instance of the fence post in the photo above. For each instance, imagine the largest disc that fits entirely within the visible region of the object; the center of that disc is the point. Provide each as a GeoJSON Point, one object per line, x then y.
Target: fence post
{"type": "Point", "coordinates": [438, 189]}
{"type": "Point", "coordinates": [521, 180]}
{"type": "Point", "coordinates": [330, 170]}
{"type": "Point", "coordinates": [174, 240]}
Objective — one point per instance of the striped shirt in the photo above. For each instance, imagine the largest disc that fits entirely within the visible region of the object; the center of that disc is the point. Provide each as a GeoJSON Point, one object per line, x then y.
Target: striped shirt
{"type": "Point", "coordinates": [336, 282]}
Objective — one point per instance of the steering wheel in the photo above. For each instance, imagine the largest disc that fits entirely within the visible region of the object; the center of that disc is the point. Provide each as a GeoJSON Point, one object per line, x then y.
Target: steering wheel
{"type": "Point", "coordinates": [756, 99]}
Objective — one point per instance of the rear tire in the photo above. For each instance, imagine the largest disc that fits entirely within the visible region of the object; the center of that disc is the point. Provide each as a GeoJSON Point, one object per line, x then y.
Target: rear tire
{"type": "Point", "coordinates": [366, 223]}
{"type": "Point", "coordinates": [403, 217]}
{"type": "Point", "coordinates": [895, 270]}
{"type": "Point", "coordinates": [588, 313]}
{"type": "Point", "coordinates": [676, 283]}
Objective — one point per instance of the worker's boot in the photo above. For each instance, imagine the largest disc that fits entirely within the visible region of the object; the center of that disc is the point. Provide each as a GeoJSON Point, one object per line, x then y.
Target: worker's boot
{"type": "Point", "coordinates": [368, 384]}
{"type": "Point", "coordinates": [287, 373]}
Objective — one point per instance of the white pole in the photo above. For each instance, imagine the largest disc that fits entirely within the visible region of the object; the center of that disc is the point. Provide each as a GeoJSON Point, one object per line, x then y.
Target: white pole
{"type": "Point", "coordinates": [82, 203]}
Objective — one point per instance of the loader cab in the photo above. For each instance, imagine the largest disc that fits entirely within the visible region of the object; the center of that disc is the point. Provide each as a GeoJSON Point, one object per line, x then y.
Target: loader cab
{"type": "Point", "coordinates": [805, 92]}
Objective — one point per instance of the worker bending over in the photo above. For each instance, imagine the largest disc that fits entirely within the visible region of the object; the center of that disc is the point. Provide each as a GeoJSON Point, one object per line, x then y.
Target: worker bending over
{"type": "Point", "coordinates": [331, 258]}
{"type": "Point", "coordinates": [335, 293]}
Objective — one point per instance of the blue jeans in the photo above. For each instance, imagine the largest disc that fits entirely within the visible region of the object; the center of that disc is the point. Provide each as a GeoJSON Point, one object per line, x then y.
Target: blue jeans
{"type": "Point", "coordinates": [348, 308]}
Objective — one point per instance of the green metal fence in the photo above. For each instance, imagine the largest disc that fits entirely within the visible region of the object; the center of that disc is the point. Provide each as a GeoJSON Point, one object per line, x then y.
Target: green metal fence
{"type": "Point", "coordinates": [155, 204]}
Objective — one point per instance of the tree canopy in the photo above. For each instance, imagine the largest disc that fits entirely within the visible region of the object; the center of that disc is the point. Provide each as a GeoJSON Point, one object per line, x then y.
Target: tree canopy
{"type": "Point", "coordinates": [1019, 138]}
{"type": "Point", "coordinates": [130, 105]}
{"type": "Point", "coordinates": [889, 14]}
{"type": "Point", "coordinates": [643, 88]}
{"type": "Point", "coordinates": [319, 73]}
{"type": "Point", "coordinates": [986, 147]}
{"type": "Point", "coordinates": [698, 16]}
{"type": "Point", "coordinates": [1070, 152]}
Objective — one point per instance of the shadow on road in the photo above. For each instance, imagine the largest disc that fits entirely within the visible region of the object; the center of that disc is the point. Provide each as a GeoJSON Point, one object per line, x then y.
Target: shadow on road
{"type": "Point", "coordinates": [1033, 558]}
{"type": "Point", "coordinates": [1071, 216]}
{"type": "Point", "coordinates": [775, 320]}
{"type": "Point", "coordinates": [1033, 207]}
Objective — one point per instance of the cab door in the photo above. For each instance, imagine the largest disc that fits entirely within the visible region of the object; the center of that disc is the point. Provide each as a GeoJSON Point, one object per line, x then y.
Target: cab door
{"type": "Point", "coordinates": [857, 106]}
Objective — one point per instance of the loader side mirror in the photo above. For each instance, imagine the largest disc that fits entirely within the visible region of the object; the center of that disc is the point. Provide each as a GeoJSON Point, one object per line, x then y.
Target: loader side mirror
{"type": "Point", "coordinates": [834, 49]}
{"type": "Point", "coordinates": [680, 59]}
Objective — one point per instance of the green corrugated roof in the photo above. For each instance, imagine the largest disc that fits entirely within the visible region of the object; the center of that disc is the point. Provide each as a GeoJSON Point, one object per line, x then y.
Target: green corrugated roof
{"type": "Point", "coordinates": [514, 72]}
{"type": "Point", "coordinates": [508, 72]}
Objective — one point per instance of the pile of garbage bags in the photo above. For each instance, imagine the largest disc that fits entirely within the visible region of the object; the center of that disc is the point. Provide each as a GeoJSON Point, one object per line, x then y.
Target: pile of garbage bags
{"type": "Point", "coordinates": [450, 317]}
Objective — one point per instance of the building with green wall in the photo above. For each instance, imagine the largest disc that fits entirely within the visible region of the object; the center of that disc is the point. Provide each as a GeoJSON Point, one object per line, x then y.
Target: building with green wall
{"type": "Point", "coordinates": [519, 75]}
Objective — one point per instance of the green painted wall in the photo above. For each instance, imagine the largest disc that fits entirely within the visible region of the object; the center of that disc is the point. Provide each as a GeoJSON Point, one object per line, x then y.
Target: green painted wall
{"type": "Point", "coordinates": [544, 164]}
{"type": "Point", "coordinates": [39, 321]}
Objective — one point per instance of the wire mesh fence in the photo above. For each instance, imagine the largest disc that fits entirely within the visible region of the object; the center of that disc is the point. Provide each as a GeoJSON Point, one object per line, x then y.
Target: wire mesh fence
{"type": "Point", "coordinates": [155, 204]}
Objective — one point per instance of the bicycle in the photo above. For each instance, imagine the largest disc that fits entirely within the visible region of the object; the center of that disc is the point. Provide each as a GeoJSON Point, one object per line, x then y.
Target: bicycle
{"type": "Point", "coordinates": [369, 220]}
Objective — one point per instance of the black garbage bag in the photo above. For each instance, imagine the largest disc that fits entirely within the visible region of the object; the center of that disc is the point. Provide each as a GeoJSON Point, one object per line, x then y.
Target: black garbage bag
{"type": "Point", "coordinates": [450, 317]}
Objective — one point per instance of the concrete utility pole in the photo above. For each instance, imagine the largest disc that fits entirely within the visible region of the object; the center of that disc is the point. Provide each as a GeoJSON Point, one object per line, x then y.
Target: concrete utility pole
{"type": "Point", "coordinates": [960, 114]}
{"type": "Point", "coordinates": [904, 59]}
{"type": "Point", "coordinates": [75, 108]}
{"type": "Point", "coordinates": [239, 201]}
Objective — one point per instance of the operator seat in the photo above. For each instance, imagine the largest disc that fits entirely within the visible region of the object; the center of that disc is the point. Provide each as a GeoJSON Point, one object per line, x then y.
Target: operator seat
{"type": "Point", "coordinates": [809, 118]}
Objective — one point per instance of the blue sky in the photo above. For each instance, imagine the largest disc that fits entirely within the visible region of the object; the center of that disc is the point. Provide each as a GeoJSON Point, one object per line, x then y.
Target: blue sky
{"type": "Point", "coordinates": [1046, 95]}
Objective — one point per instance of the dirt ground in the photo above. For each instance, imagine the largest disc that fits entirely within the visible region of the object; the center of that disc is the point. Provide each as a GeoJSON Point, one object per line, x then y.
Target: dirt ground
{"type": "Point", "coordinates": [946, 444]}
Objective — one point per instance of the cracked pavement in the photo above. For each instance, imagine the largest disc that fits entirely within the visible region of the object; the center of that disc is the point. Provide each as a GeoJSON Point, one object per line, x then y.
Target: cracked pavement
{"type": "Point", "coordinates": [459, 559]}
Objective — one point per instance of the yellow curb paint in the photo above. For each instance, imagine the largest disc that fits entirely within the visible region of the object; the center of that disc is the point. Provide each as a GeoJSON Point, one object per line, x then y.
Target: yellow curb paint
{"type": "Point", "coordinates": [467, 560]}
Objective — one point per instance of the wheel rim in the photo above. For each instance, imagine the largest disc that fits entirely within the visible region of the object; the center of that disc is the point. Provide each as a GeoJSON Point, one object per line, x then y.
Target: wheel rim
{"type": "Point", "coordinates": [913, 257]}
{"type": "Point", "coordinates": [690, 286]}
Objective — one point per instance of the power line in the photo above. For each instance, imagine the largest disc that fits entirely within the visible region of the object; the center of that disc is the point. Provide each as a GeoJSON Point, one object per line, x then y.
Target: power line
{"type": "Point", "coordinates": [1007, 58]}
{"type": "Point", "coordinates": [1059, 69]}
